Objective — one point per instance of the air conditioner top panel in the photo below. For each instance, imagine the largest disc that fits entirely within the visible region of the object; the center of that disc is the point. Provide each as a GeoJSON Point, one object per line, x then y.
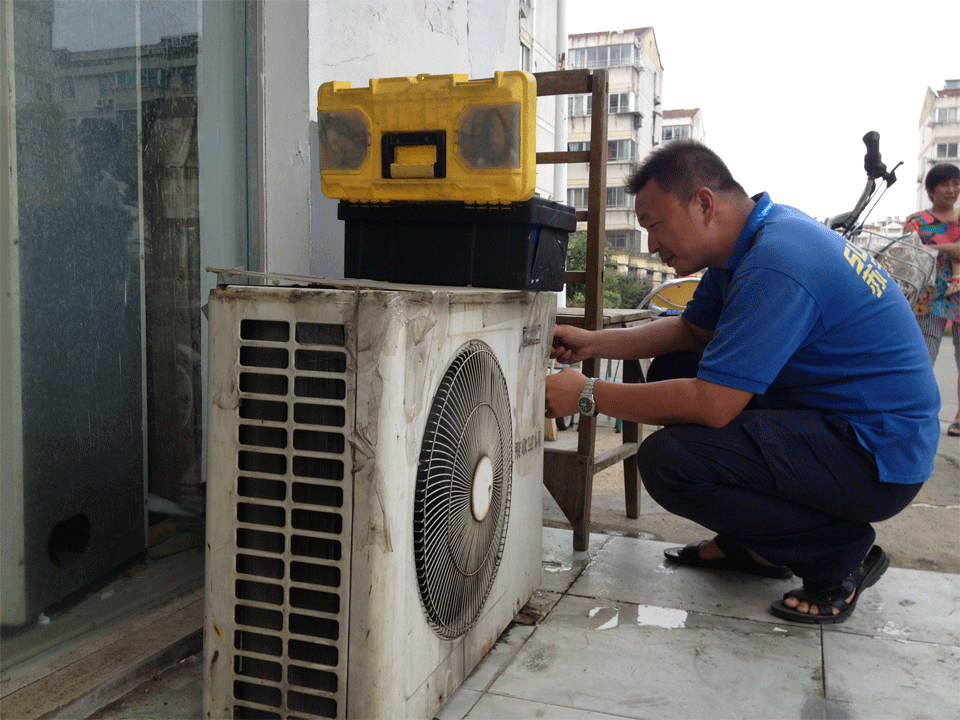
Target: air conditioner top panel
{"type": "Point", "coordinates": [227, 279]}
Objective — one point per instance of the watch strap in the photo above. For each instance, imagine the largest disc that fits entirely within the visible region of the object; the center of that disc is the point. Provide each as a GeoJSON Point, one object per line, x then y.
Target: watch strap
{"type": "Point", "coordinates": [587, 393]}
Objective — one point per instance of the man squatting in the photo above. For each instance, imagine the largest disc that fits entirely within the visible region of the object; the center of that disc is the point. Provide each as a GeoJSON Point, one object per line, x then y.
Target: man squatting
{"type": "Point", "coordinates": [796, 394]}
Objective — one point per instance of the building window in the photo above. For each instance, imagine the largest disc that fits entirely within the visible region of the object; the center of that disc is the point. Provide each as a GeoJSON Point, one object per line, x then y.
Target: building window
{"type": "Point", "coordinates": [617, 197]}
{"type": "Point", "coordinates": [581, 146]}
{"type": "Point", "coordinates": [579, 105]}
{"type": "Point", "coordinates": [948, 115]}
{"type": "Point", "coordinates": [152, 77]}
{"type": "Point", "coordinates": [526, 62]}
{"type": "Point", "coordinates": [622, 102]}
{"type": "Point", "coordinates": [616, 239]}
{"type": "Point", "coordinates": [578, 197]}
{"type": "Point", "coordinates": [126, 79]}
{"type": "Point", "coordinates": [946, 150]}
{"type": "Point", "coordinates": [604, 56]}
{"type": "Point", "coordinates": [676, 132]}
{"type": "Point", "coordinates": [621, 150]}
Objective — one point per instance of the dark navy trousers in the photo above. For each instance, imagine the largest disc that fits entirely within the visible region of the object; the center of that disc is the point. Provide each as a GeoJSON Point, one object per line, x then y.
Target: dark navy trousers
{"type": "Point", "coordinates": [794, 486]}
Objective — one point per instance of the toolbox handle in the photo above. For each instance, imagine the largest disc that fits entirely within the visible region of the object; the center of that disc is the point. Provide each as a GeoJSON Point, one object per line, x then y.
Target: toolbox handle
{"type": "Point", "coordinates": [389, 142]}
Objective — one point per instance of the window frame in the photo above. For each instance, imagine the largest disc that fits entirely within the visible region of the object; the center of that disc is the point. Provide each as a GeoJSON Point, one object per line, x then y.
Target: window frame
{"type": "Point", "coordinates": [615, 147]}
{"type": "Point", "coordinates": [946, 153]}
{"type": "Point", "coordinates": [677, 132]}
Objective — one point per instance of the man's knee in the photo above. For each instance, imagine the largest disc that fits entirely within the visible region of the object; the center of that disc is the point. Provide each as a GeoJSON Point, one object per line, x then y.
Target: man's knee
{"type": "Point", "coordinates": [656, 458]}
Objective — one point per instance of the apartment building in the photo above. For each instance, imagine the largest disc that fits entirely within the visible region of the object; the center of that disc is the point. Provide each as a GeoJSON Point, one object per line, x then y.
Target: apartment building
{"type": "Point", "coordinates": [683, 125]}
{"type": "Point", "coordinates": [891, 227]}
{"type": "Point", "coordinates": [634, 128]}
{"type": "Point", "coordinates": [939, 133]}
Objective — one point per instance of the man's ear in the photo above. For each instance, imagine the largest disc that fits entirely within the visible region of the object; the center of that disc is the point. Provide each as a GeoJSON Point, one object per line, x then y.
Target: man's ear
{"type": "Point", "coordinates": [706, 203]}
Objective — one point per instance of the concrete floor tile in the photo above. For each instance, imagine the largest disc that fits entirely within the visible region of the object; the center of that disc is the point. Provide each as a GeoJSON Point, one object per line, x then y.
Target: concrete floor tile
{"type": "Point", "coordinates": [880, 678]}
{"type": "Point", "coordinates": [635, 571]}
{"type": "Point", "coordinates": [500, 707]}
{"type": "Point", "coordinates": [539, 605]}
{"type": "Point", "coordinates": [502, 652]}
{"type": "Point", "coordinates": [909, 605]}
{"type": "Point", "coordinates": [644, 662]}
{"type": "Point", "coordinates": [562, 565]}
{"type": "Point", "coordinates": [459, 704]}
{"type": "Point", "coordinates": [176, 694]}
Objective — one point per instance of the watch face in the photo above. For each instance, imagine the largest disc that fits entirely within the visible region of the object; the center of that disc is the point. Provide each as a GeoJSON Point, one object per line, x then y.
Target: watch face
{"type": "Point", "coordinates": [586, 405]}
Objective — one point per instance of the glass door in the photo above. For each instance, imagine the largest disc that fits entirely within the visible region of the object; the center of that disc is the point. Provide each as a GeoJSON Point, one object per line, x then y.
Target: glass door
{"type": "Point", "coordinates": [109, 220]}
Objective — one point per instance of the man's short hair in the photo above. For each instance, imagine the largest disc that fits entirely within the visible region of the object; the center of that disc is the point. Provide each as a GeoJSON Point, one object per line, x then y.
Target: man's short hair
{"type": "Point", "coordinates": [940, 174]}
{"type": "Point", "coordinates": [681, 168]}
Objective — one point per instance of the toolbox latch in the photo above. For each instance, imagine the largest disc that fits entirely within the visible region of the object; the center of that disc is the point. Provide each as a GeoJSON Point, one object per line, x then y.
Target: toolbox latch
{"type": "Point", "coordinates": [414, 154]}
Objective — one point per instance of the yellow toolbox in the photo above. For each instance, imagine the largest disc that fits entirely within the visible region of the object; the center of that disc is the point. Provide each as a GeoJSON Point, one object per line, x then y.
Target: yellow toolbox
{"type": "Point", "coordinates": [430, 137]}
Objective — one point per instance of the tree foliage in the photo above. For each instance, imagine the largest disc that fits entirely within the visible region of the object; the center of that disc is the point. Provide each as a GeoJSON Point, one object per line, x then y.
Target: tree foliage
{"type": "Point", "coordinates": [618, 291]}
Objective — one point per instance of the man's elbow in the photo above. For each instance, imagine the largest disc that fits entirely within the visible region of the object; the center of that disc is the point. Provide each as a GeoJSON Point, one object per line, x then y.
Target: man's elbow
{"type": "Point", "coordinates": [719, 405]}
{"type": "Point", "coordinates": [719, 417]}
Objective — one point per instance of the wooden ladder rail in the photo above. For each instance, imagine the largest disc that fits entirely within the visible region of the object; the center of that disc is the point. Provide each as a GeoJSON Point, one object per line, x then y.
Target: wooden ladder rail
{"type": "Point", "coordinates": [568, 475]}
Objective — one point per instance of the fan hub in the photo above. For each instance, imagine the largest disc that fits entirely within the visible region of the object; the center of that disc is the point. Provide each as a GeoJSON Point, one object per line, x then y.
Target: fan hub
{"type": "Point", "coordinates": [482, 488]}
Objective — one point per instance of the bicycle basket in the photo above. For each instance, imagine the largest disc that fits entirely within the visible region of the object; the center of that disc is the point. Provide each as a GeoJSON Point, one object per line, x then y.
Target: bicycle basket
{"type": "Point", "coordinates": [906, 259]}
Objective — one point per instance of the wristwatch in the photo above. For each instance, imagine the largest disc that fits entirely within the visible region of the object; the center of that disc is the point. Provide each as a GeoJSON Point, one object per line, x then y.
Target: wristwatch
{"type": "Point", "coordinates": [586, 402]}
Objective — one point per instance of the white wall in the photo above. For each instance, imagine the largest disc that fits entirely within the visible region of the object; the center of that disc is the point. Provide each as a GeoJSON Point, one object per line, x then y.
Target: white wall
{"type": "Point", "coordinates": [356, 40]}
{"type": "Point", "coordinates": [305, 43]}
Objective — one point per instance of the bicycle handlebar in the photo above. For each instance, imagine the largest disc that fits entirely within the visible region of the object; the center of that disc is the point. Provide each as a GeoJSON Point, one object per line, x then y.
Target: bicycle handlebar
{"type": "Point", "coordinates": [871, 161]}
{"type": "Point", "coordinates": [875, 170]}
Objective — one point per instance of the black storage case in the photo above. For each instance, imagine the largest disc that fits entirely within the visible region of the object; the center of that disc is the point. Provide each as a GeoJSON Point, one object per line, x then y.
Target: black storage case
{"type": "Point", "coordinates": [521, 246]}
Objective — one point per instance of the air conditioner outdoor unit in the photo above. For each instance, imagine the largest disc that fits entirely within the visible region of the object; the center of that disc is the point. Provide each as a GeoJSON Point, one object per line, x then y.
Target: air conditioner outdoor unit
{"type": "Point", "coordinates": [374, 492]}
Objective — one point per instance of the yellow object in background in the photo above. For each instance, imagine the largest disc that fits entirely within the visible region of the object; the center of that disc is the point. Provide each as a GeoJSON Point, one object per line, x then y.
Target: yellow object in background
{"type": "Point", "coordinates": [671, 297]}
{"type": "Point", "coordinates": [429, 138]}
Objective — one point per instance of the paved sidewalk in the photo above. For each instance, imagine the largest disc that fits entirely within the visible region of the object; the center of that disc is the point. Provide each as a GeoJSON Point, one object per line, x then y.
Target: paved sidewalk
{"type": "Point", "coordinates": [624, 635]}
{"type": "Point", "coordinates": [627, 636]}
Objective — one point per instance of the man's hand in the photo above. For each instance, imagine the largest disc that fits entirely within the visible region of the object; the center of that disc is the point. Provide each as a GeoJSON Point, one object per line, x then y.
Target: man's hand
{"type": "Point", "coordinates": [571, 344]}
{"type": "Point", "coordinates": [563, 391]}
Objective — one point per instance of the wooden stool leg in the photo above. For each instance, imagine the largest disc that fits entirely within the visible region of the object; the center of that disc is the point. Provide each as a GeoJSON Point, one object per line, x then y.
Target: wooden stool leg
{"type": "Point", "coordinates": [568, 477]}
{"type": "Point", "coordinates": [581, 531]}
{"type": "Point", "coordinates": [631, 434]}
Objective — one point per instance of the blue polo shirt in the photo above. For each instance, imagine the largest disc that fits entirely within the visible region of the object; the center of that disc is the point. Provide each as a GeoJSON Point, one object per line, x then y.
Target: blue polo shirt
{"type": "Point", "coordinates": [805, 319]}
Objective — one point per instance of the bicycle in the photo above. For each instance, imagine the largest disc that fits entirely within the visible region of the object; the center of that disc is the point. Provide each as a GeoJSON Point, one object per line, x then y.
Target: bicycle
{"type": "Point", "coordinates": [907, 261]}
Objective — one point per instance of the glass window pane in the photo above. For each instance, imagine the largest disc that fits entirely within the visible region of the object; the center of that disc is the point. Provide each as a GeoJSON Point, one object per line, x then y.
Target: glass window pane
{"type": "Point", "coordinates": [106, 143]}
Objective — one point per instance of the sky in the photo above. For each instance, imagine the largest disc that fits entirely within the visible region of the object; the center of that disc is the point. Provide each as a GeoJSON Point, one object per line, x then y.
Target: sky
{"type": "Point", "coordinates": [788, 89]}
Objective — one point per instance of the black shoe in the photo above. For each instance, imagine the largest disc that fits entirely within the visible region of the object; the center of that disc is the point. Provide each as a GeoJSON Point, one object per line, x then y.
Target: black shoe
{"type": "Point", "coordinates": [735, 558]}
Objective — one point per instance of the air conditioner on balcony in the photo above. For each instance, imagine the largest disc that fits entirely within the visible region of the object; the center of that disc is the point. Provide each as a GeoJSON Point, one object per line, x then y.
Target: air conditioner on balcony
{"type": "Point", "coordinates": [374, 500]}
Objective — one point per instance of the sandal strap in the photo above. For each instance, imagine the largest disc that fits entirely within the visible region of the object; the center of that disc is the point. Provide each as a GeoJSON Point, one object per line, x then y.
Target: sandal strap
{"type": "Point", "coordinates": [825, 599]}
{"type": "Point", "coordinates": [733, 550]}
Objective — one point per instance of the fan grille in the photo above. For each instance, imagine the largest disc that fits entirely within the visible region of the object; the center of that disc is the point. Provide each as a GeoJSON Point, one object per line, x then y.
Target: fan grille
{"type": "Point", "coordinates": [462, 498]}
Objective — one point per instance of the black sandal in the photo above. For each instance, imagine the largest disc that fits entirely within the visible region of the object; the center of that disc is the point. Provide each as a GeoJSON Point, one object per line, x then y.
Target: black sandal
{"type": "Point", "coordinates": [737, 558]}
{"type": "Point", "coordinates": [826, 599]}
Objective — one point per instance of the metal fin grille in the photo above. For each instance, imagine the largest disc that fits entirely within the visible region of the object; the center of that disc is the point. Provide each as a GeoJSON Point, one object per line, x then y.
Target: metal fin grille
{"type": "Point", "coordinates": [462, 497]}
{"type": "Point", "coordinates": [289, 590]}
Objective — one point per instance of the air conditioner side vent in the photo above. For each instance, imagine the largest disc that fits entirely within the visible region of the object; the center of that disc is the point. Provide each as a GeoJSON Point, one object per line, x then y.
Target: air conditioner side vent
{"type": "Point", "coordinates": [291, 519]}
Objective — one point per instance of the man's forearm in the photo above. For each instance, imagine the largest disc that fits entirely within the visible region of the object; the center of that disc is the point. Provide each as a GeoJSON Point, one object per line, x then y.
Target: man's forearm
{"type": "Point", "coordinates": [652, 339]}
{"type": "Point", "coordinates": [683, 400]}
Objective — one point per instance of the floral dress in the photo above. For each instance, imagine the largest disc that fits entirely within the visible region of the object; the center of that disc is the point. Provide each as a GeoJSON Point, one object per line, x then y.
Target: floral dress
{"type": "Point", "coordinates": [938, 298]}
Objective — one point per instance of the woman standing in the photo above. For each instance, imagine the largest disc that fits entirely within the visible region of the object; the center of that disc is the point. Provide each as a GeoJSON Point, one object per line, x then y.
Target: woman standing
{"type": "Point", "coordinates": [940, 227]}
